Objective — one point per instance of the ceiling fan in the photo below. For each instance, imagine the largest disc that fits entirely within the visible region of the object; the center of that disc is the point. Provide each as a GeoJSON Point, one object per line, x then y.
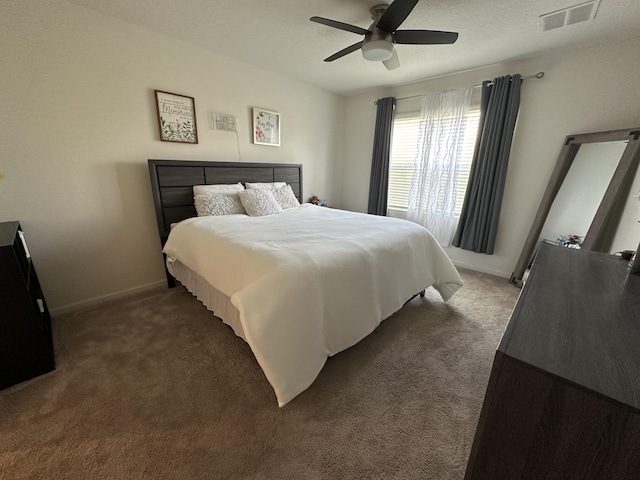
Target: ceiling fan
{"type": "Point", "coordinates": [379, 39]}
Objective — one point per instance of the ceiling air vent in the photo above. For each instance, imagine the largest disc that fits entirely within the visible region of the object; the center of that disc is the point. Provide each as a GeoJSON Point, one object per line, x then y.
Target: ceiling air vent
{"type": "Point", "coordinates": [569, 16]}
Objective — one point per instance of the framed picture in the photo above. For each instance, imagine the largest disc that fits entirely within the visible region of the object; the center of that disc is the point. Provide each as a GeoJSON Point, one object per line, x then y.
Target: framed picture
{"type": "Point", "coordinates": [266, 127]}
{"type": "Point", "coordinates": [176, 117]}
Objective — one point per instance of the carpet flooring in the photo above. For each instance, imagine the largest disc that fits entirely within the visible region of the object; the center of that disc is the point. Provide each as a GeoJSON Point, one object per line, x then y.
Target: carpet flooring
{"type": "Point", "coordinates": [152, 386]}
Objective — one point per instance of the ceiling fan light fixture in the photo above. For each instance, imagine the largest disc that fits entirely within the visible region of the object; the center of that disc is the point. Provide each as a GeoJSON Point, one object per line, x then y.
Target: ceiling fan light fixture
{"type": "Point", "coordinates": [377, 50]}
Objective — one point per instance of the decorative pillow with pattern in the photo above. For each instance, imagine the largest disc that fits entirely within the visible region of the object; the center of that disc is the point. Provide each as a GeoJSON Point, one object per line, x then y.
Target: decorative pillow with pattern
{"type": "Point", "coordinates": [218, 204]}
{"type": "Point", "coordinates": [285, 197]}
{"type": "Point", "coordinates": [258, 203]}
{"type": "Point", "coordinates": [233, 188]}
{"type": "Point", "coordinates": [265, 186]}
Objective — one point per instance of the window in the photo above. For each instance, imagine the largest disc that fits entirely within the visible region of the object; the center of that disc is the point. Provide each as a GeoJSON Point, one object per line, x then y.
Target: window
{"type": "Point", "coordinates": [404, 150]}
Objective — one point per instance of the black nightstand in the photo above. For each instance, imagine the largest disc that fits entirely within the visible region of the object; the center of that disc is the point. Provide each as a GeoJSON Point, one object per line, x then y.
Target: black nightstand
{"type": "Point", "coordinates": [26, 344]}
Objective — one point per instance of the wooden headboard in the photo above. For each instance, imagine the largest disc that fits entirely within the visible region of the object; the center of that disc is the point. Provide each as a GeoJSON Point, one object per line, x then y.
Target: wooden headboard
{"type": "Point", "coordinates": [172, 184]}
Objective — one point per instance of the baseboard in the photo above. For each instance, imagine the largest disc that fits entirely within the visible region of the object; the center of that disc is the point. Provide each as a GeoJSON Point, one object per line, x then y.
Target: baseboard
{"type": "Point", "coordinates": [476, 268]}
{"type": "Point", "coordinates": [92, 302]}
{"type": "Point", "coordinates": [162, 283]}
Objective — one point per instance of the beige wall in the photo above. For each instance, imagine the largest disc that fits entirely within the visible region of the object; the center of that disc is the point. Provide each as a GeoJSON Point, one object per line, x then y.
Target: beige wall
{"type": "Point", "coordinates": [79, 123]}
{"type": "Point", "coordinates": [584, 90]}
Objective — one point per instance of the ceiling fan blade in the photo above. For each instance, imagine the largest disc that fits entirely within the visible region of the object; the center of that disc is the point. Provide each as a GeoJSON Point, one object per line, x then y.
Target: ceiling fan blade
{"type": "Point", "coordinates": [395, 14]}
{"type": "Point", "coordinates": [343, 52]}
{"type": "Point", "coordinates": [392, 62]}
{"type": "Point", "coordinates": [424, 37]}
{"type": "Point", "coordinates": [340, 25]}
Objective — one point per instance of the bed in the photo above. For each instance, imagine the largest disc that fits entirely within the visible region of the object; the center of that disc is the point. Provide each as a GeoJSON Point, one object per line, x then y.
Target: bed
{"type": "Point", "coordinates": [298, 286]}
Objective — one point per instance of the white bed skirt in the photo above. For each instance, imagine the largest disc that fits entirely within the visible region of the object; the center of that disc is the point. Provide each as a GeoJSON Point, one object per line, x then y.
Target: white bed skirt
{"type": "Point", "coordinates": [215, 301]}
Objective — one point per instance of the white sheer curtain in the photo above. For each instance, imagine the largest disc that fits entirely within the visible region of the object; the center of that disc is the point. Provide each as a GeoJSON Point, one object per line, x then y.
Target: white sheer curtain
{"type": "Point", "coordinates": [432, 198]}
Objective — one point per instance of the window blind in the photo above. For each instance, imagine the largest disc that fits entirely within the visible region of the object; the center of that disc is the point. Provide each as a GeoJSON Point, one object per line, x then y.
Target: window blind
{"type": "Point", "coordinates": [404, 152]}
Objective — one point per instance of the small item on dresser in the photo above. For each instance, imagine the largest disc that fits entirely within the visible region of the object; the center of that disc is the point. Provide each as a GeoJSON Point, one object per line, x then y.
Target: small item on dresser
{"type": "Point", "coordinates": [634, 262]}
{"type": "Point", "coordinates": [569, 241]}
{"type": "Point", "coordinates": [627, 254]}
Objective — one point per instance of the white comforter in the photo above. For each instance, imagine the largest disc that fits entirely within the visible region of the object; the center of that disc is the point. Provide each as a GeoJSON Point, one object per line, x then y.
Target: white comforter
{"type": "Point", "coordinates": [311, 281]}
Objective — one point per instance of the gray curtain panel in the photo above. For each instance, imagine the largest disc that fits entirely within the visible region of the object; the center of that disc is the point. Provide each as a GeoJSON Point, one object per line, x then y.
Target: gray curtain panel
{"type": "Point", "coordinates": [379, 180]}
{"type": "Point", "coordinates": [478, 223]}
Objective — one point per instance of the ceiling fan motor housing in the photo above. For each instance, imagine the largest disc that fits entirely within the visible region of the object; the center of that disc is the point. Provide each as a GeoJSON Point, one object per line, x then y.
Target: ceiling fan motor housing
{"type": "Point", "coordinates": [378, 46]}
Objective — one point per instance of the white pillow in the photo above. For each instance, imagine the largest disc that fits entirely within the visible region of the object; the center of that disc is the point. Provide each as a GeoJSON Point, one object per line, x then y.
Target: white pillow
{"type": "Point", "coordinates": [258, 202]}
{"type": "Point", "coordinates": [286, 197]}
{"type": "Point", "coordinates": [218, 204]}
{"type": "Point", "coordinates": [266, 186]}
{"type": "Point", "coordinates": [200, 189]}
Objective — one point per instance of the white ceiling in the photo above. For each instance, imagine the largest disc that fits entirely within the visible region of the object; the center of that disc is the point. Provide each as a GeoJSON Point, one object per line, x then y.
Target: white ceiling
{"type": "Point", "coordinates": [277, 34]}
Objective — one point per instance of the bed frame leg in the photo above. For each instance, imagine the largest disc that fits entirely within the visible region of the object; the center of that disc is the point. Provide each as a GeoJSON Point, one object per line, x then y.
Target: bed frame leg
{"type": "Point", "coordinates": [421, 296]}
{"type": "Point", "coordinates": [171, 282]}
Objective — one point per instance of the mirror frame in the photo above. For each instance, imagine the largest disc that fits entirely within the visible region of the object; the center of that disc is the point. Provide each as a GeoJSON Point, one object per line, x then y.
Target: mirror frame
{"type": "Point", "coordinates": [618, 189]}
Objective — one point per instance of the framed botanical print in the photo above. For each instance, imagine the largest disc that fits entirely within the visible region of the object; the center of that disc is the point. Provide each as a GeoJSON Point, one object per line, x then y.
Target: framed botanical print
{"type": "Point", "coordinates": [266, 127]}
{"type": "Point", "coordinates": [176, 117]}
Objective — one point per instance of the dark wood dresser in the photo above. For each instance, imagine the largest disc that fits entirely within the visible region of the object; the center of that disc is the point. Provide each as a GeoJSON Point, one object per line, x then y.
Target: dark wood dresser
{"type": "Point", "coordinates": [563, 400]}
{"type": "Point", "coordinates": [26, 346]}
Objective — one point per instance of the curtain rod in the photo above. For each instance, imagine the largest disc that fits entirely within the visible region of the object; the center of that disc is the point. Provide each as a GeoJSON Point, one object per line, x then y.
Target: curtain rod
{"type": "Point", "coordinates": [537, 75]}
